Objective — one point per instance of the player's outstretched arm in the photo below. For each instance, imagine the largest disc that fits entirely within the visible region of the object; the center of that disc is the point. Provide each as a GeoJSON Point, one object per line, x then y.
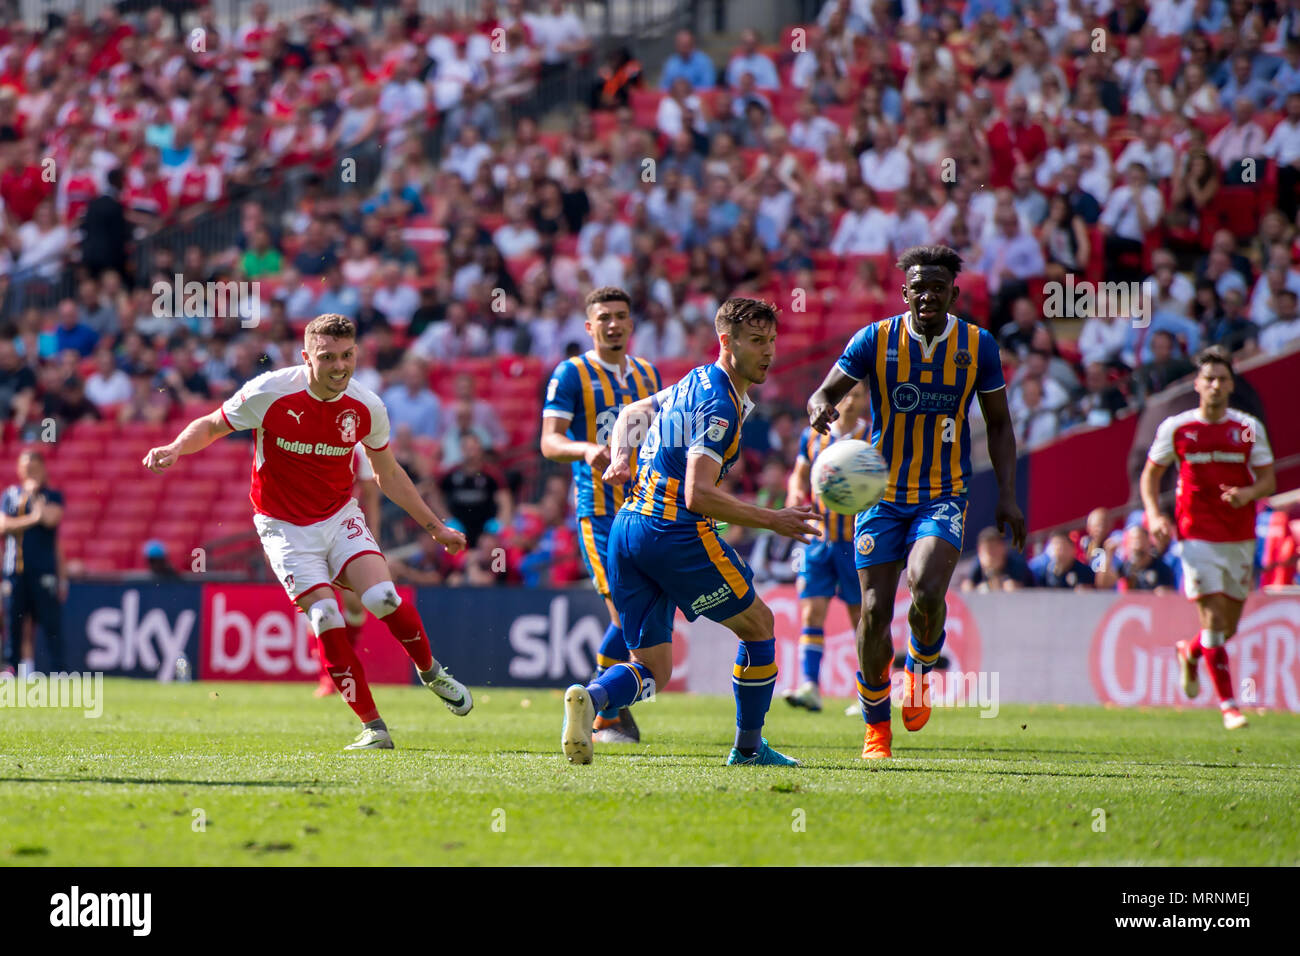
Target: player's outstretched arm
{"type": "Point", "coordinates": [798, 489]}
{"type": "Point", "coordinates": [194, 437]}
{"type": "Point", "coordinates": [630, 429]}
{"type": "Point", "coordinates": [703, 496]}
{"type": "Point", "coordinates": [1002, 452]}
{"type": "Point", "coordinates": [396, 483]}
{"type": "Point", "coordinates": [821, 407]}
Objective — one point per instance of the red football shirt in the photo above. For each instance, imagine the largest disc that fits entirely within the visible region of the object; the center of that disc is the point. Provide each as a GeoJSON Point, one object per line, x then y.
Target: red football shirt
{"type": "Point", "coordinates": [303, 466]}
{"type": "Point", "coordinates": [1212, 454]}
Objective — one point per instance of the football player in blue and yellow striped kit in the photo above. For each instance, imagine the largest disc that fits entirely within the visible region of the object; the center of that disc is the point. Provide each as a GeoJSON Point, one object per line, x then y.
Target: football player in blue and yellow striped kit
{"type": "Point", "coordinates": [826, 567]}
{"type": "Point", "coordinates": [664, 548]}
{"type": "Point", "coordinates": [921, 368]}
{"type": "Point", "coordinates": [583, 399]}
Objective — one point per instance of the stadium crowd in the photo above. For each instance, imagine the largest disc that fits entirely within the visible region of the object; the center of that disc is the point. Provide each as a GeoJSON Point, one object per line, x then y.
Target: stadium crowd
{"type": "Point", "coordinates": [1044, 140]}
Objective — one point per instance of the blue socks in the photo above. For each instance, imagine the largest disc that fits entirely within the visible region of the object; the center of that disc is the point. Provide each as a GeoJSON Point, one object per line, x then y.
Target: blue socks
{"type": "Point", "coordinates": [613, 650]}
{"type": "Point", "coordinates": [621, 685]}
{"type": "Point", "coordinates": [874, 699]}
{"type": "Point", "coordinates": [921, 658]}
{"type": "Point", "coordinates": [811, 640]}
{"type": "Point", "coordinates": [752, 681]}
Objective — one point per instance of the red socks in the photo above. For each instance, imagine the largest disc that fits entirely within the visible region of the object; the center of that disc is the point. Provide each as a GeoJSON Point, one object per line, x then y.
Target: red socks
{"type": "Point", "coordinates": [404, 623]}
{"type": "Point", "coordinates": [1194, 648]}
{"type": "Point", "coordinates": [1216, 658]}
{"type": "Point", "coordinates": [344, 669]}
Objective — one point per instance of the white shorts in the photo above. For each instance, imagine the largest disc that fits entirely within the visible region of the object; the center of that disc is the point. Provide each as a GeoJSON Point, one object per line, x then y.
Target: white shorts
{"type": "Point", "coordinates": [306, 556]}
{"type": "Point", "coordinates": [1218, 567]}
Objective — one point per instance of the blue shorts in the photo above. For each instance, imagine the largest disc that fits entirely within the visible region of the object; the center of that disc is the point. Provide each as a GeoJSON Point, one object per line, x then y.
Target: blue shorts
{"type": "Point", "coordinates": [885, 531]}
{"type": "Point", "coordinates": [830, 571]}
{"type": "Point", "coordinates": [656, 566]}
{"type": "Point", "coordinates": [593, 541]}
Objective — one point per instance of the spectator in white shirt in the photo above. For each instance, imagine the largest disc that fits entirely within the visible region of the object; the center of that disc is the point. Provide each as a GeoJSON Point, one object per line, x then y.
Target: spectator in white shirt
{"type": "Point", "coordinates": [864, 230]}
{"type": "Point", "coordinates": [467, 154]}
{"type": "Point", "coordinates": [1131, 69]}
{"type": "Point", "coordinates": [886, 167]}
{"type": "Point", "coordinates": [41, 243]}
{"type": "Point", "coordinates": [1034, 422]}
{"type": "Point", "coordinates": [108, 384]}
{"type": "Point", "coordinates": [559, 34]}
{"type": "Point", "coordinates": [1156, 156]}
{"type": "Point", "coordinates": [674, 106]}
{"type": "Point", "coordinates": [1283, 147]}
{"type": "Point", "coordinates": [403, 97]}
{"type": "Point", "coordinates": [455, 337]}
{"type": "Point", "coordinates": [1264, 297]}
{"type": "Point", "coordinates": [1132, 211]}
{"type": "Point", "coordinates": [602, 266]}
{"type": "Point", "coordinates": [1171, 18]}
{"type": "Point", "coordinates": [1011, 256]}
{"type": "Point", "coordinates": [1102, 338]}
{"type": "Point", "coordinates": [659, 336]}
{"type": "Point", "coordinates": [394, 299]}
{"type": "Point", "coordinates": [811, 130]}
{"type": "Point", "coordinates": [604, 221]}
{"type": "Point", "coordinates": [910, 228]}
{"type": "Point", "coordinates": [1284, 333]}
{"type": "Point", "coordinates": [1243, 138]}
{"type": "Point", "coordinates": [456, 70]}
{"type": "Point", "coordinates": [516, 237]}
{"type": "Point", "coordinates": [1094, 166]}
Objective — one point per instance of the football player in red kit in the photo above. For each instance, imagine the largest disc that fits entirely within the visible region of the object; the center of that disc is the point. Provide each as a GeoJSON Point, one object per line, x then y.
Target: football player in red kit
{"type": "Point", "coordinates": [1225, 464]}
{"type": "Point", "coordinates": [308, 418]}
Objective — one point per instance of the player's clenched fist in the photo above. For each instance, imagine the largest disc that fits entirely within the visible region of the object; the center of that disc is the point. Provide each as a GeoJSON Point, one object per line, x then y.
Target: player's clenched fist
{"type": "Point", "coordinates": [597, 456]}
{"type": "Point", "coordinates": [798, 523]}
{"type": "Point", "coordinates": [618, 473]}
{"type": "Point", "coordinates": [821, 414]}
{"type": "Point", "coordinates": [160, 458]}
{"type": "Point", "coordinates": [450, 538]}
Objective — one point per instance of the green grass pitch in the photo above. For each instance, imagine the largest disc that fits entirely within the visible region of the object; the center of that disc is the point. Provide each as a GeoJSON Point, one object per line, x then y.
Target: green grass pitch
{"type": "Point", "coordinates": [252, 774]}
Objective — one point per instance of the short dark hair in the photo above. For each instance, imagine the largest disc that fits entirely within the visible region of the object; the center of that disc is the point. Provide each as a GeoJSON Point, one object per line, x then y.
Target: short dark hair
{"type": "Point", "coordinates": [331, 324]}
{"type": "Point", "coordinates": [606, 293]}
{"type": "Point", "coordinates": [739, 310]}
{"type": "Point", "coordinates": [1060, 533]}
{"type": "Point", "coordinates": [943, 256]}
{"type": "Point", "coordinates": [987, 535]}
{"type": "Point", "coordinates": [1214, 355]}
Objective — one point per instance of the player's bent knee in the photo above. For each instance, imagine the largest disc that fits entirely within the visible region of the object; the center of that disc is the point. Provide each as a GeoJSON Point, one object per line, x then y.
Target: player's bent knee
{"type": "Point", "coordinates": [381, 599]}
{"type": "Point", "coordinates": [324, 616]}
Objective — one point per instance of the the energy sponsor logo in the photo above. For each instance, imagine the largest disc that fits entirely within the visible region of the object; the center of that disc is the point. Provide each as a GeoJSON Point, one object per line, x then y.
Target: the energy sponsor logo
{"type": "Point", "coordinates": [840, 656]}
{"type": "Point", "coordinates": [75, 909]}
{"type": "Point", "coordinates": [1133, 662]}
{"type": "Point", "coordinates": [550, 647]}
{"type": "Point", "coordinates": [126, 639]}
{"type": "Point", "coordinates": [253, 632]}
{"type": "Point", "coordinates": [1104, 300]}
{"type": "Point", "coordinates": [75, 691]}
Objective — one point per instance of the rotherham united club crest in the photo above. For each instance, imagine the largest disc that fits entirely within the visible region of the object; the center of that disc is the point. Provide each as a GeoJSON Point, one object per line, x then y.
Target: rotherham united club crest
{"type": "Point", "coordinates": [347, 422]}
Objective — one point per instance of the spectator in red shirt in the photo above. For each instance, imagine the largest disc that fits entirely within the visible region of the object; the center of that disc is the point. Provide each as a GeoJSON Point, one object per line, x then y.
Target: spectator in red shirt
{"type": "Point", "coordinates": [24, 185]}
{"type": "Point", "coordinates": [1014, 140]}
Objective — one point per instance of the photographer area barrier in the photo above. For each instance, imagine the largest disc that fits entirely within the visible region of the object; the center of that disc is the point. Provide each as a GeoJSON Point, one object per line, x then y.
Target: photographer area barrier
{"type": "Point", "coordinates": [1050, 647]}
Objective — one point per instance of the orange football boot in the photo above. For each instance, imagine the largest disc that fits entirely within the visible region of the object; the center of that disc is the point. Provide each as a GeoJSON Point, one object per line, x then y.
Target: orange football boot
{"type": "Point", "coordinates": [875, 745]}
{"type": "Point", "coordinates": [916, 707]}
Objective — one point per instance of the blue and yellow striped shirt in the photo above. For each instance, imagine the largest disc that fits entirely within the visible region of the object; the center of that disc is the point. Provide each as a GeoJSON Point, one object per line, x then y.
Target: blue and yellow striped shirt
{"type": "Point", "coordinates": [920, 394]}
{"type": "Point", "coordinates": [700, 415]}
{"type": "Point", "coordinates": [837, 527]}
{"type": "Point", "coordinates": [589, 395]}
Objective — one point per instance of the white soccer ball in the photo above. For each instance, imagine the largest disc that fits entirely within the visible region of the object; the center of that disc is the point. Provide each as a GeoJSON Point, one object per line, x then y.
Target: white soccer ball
{"type": "Point", "coordinates": [849, 476]}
